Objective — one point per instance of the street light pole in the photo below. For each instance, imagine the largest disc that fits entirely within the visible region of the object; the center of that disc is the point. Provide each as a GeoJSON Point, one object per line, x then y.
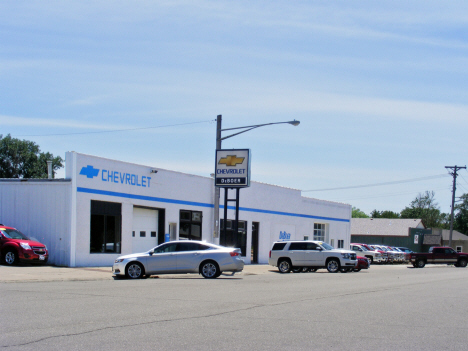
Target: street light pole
{"type": "Point", "coordinates": [216, 199]}
{"type": "Point", "coordinates": [219, 140]}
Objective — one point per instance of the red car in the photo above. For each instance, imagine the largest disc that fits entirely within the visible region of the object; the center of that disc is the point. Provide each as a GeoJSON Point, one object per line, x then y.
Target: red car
{"type": "Point", "coordinates": [362, 263]}
{"type": "Point", "coordinates": [16, 247]}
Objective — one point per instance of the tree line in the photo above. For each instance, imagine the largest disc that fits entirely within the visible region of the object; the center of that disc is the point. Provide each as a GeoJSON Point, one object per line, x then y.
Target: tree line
{"type": "Point", "coordinates": [24, 159]}
{"type": "Point", "coordinates": [425, 207]}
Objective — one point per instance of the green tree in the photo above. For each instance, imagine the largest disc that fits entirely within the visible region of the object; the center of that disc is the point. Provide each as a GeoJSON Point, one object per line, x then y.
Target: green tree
{"type": "Point", "coordinates": [460, 221]}
{"type": "Point", "coordinates": [384, 214]}
{"type": "Point", "coordinates": [357, 213]}
{"type": "Point", "coordinates": [24, 159]}
{"type": "Point", "coordinates": [425, 207]}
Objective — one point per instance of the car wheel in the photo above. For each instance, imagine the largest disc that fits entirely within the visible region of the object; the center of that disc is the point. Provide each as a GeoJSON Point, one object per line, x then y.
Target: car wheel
{"type": "Point", "coordinates": [420, 263]}
{"type": "Point", "coordinates": [371, 259]}
{"type": "Point", "coordinates": [356, 269]}
{"type": "Point", "coordinates": [297, 269]}
{"type": "Point", "coordinates": [344, 270]}
{"type": "Point", "coordinates": [305, 269]}
{"type": "Point", "coordinates": [462, 263]}
{"type": "Point", "coordinates": [134, 270]}
{"type": "Point", "coordinates": [284, 266]}
{"type": "Point", "coordinates": [312, 270]}
{"type": "Point", "coordinates": [209, 270]}
{"type": "Point", "coordinates": [11, 258]}
{"type": "Point", "coordinates": [333, 266]}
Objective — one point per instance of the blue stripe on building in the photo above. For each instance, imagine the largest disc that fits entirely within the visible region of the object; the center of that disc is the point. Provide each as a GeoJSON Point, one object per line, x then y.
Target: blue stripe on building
{"type": "Point", "coordinates": [200, 204]}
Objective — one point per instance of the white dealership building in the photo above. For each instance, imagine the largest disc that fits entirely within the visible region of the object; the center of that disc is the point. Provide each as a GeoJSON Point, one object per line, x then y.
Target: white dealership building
{"type": "Point", "coordinates": [105, 208]}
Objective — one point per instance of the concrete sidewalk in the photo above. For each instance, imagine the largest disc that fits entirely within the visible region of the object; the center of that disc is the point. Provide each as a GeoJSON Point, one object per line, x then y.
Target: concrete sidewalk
{"type": "Point", "coordinates": [31, 273]}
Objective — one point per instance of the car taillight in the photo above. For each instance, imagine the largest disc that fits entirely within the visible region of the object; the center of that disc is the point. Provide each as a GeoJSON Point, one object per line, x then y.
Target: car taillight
{"type": "Point", "coordinates": [270, 253]}
{"type": "Point", "coordinates": [234, 254]}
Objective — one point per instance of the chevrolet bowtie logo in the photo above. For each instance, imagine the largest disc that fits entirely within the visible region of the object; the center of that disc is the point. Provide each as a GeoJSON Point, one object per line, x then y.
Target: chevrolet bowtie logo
{"type": "Point", "coordinates": [89, 171]}
{"type": "Point", "coordinates": [231, 160]}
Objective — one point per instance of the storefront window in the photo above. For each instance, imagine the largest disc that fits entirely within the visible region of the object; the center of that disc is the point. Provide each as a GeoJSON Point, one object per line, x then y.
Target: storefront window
{"type": "Point", "coordinates": [190, 225]}
{"type": "Point", "coordinates": [319, 231]}
{"type": "Point", "coordinates": [106, 219]}
{"type": "Point", "coordinates": [231, 239]}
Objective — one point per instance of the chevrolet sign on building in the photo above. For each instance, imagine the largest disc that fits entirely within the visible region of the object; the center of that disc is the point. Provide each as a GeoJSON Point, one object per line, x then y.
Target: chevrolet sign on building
{"type": "Point", "coordinates": [233, 168]}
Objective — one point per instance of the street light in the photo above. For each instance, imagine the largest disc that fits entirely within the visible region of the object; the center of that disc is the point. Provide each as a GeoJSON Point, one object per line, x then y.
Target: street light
{"type": "Point", "coordinates": [247, 128]}
{"type": "Point", "coordinates": [219, 139]}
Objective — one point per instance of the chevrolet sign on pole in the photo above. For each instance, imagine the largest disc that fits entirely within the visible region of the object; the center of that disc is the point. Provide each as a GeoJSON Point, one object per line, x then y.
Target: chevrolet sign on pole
{"type": "Point", "coordinates": [232, 168]}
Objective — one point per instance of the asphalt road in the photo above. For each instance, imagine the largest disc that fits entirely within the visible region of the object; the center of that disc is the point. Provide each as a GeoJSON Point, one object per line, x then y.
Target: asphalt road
{"type": "Point", "coordinates": [383, 308]}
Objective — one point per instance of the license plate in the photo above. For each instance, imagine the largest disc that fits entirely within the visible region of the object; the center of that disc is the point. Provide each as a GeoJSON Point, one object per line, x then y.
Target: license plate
{"type": "Point", "coordinates": [42, 257]}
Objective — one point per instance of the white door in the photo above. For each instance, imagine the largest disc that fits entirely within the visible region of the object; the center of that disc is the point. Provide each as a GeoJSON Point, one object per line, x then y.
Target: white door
{"type": "Point", "coordinates": [144, 232]}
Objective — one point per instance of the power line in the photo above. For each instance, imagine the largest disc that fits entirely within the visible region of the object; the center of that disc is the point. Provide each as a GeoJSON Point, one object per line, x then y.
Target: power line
{"type": "Point", "coordinates": [463, 178]}
{"type": "Point", "coordinates": [380, 184]}
{"type": "Point", "coordinates": [116, 130]}
{"type": "Point", "coordinates": [384, 195]}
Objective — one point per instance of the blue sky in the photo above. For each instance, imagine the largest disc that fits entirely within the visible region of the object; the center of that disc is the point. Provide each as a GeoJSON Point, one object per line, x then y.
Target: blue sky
{"type": "Point", "coordinates": [379, 87]}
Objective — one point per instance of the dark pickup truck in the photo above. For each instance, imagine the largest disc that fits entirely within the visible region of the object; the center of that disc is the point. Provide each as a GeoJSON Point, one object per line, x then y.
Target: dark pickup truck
{"type": "Point", "coordinates": [439, 255]}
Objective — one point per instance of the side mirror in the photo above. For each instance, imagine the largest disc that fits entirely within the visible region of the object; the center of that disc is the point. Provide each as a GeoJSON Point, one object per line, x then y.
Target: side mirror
{"type": "Point", "coordinates": [151, 252]}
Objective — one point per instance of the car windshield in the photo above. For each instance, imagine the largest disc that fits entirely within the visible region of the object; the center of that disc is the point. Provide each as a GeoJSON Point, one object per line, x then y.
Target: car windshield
{"type": "Point", "coordinates": [327, 247]}
{"type": "Point", "coordinates": [13, 234]}
{"type": "Point", "coordinates": [363, 248]}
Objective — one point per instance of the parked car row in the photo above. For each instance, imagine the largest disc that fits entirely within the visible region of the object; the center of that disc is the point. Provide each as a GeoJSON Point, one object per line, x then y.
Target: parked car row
{"type": "Point", "coordinates": [382, 253]}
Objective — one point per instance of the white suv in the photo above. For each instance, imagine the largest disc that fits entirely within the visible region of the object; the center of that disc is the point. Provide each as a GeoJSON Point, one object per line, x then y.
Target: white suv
{"type": "Point", "coordinates": [289, 255]}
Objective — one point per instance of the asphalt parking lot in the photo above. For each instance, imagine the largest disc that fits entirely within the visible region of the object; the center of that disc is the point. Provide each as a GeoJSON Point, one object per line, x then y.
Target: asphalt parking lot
{"type": "Point", "coordinates": [383, 308]}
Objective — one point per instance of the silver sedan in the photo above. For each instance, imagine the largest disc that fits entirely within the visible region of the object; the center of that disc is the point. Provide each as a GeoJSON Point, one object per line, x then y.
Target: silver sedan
{"type": "Point", "coordinates": [187, 256]}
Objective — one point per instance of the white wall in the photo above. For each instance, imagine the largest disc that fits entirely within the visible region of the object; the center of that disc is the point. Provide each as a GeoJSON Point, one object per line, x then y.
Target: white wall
{"type": "Point", "coordinates": [275, 208]}
{"type": "Point", "coordinates": [167, 190]}
{"type": "Point", "coordinates": [280, 209]}
{"type": "Point", "coordinates": [40, 209]}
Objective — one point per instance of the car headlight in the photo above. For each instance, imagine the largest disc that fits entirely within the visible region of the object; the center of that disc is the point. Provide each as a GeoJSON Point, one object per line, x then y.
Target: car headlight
{"type": "Point", "coordinates": [119, 260]}
{"type": "Point", "coordinates": [25, 246]}
{"type": "Point", "coordinates": [345, 255]}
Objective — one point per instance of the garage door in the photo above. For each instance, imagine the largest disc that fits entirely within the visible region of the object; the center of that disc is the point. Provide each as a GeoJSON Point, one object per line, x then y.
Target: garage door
{"type": "Point", "coordinates": [145, 225]}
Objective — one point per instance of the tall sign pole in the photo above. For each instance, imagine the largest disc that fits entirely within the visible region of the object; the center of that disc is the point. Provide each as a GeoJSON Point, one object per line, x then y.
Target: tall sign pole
{"type": "Point", "coordinates": [454, 174]}
{"type": "Point", "coordinates": [232, 171]}
{"type": "Point", "coordinates": [232, 182]}
{"type": "Point", "coordinates": [217, 191]}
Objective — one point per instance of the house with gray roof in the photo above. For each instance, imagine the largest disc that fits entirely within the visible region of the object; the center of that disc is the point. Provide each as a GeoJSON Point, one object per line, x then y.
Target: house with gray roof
{"type": "Point", "coordinates": [459, 240]}
{"type": "Point", "coordinates": [410, 233]}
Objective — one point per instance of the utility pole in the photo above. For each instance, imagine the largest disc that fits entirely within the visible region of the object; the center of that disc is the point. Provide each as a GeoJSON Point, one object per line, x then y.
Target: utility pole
{"type": "Point", "coordinates": [454, 174]}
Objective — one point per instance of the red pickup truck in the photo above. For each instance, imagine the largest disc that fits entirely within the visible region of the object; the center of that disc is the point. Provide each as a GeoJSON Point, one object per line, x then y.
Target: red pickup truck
{"type": "Point", "coordinates": [439, 255]}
